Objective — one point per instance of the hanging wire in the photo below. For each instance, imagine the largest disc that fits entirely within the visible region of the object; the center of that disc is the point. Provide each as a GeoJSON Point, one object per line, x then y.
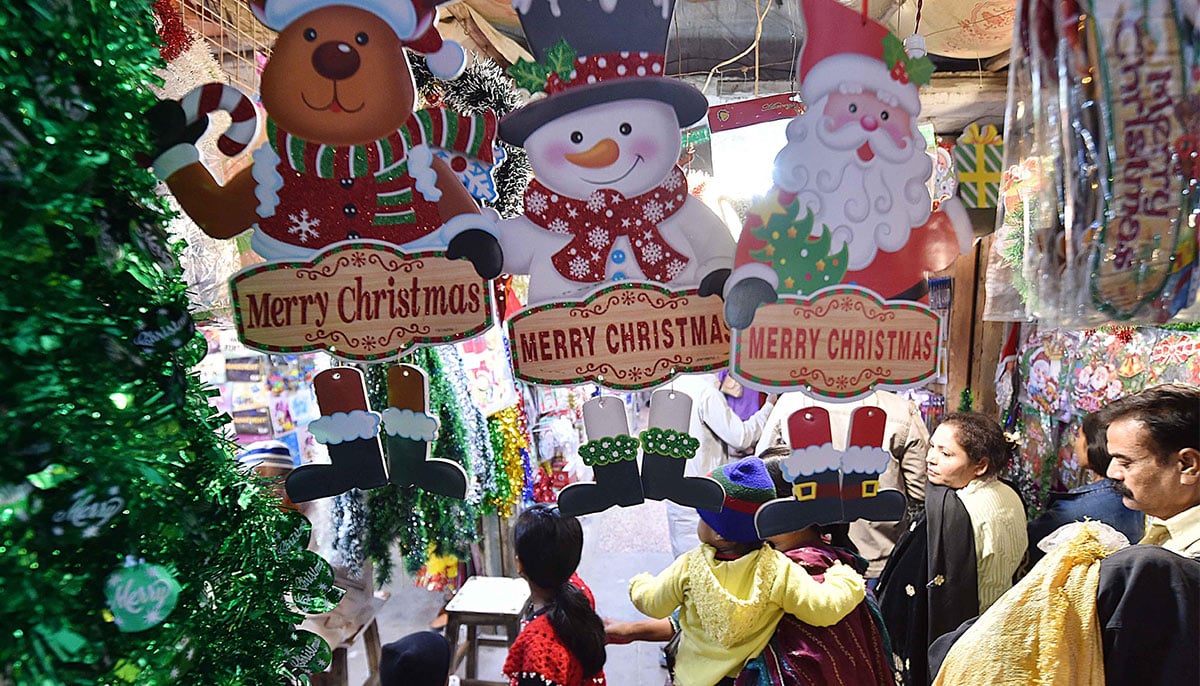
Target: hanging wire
{"type": "Point", "coordinates": [760, 15]}
{"type": "Point", "coordinates": [757, 36]}
{"type": "Point", "coordinates": [794, 73]}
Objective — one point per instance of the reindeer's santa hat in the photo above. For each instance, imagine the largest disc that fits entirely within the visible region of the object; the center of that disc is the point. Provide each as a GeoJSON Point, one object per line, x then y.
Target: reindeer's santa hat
{"type": "Point", "coordinates": [412, 20]}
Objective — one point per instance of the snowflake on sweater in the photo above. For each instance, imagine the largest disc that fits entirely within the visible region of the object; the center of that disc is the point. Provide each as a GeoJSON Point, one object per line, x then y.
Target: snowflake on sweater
{"type": "Point", "coordinates": [598, 238]}
{"type": "Point", "coordinates": [304, 226]}
{"type": "Point", "coordinates": [596, 202]}
{"type": "Point", "coordinates": [560, 226]}
{"type": "Point", "coordinates": [579, 268]}
{"type": "Point", "coordinates": [536, 203]}
{"type": "Point", "coordinates": [652, 211]}
{"type": "Point", "coordinates": [652, 253]}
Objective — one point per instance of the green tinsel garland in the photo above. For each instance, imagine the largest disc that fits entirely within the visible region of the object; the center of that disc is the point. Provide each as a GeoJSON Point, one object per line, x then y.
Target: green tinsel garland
{"type": "Point", "coordinates": [966, 400]}
{"type": "Point", "coordinates": [84, 407]}
{"type": "Point", "coordinates": [412, 519]}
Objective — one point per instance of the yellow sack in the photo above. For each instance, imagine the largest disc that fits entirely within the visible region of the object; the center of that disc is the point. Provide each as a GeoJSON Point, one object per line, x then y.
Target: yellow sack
{"type": "Point", "coordinates": [1044, 630]}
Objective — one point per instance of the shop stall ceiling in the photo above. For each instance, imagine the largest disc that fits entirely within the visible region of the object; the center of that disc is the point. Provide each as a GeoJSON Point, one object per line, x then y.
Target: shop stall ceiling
{"type": "Point", "coordinates": [706, 38]}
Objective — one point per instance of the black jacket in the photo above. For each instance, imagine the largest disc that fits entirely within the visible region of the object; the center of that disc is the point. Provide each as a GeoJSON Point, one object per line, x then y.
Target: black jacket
{"type": "Point", "coordinates": [930, 584]}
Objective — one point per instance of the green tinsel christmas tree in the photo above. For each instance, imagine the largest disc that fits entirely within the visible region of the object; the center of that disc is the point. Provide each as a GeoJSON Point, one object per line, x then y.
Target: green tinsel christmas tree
{"type": "Point", "coordinates": [802, 260]}
{"type": "Point", "coordinates": [131, 548]}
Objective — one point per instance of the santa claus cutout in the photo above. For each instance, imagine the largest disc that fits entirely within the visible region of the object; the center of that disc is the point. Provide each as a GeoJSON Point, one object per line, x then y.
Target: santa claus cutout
{"type": "Point", "coordinates": [608, 202]}
{"type": "Point", "coordinates": [850, 203]}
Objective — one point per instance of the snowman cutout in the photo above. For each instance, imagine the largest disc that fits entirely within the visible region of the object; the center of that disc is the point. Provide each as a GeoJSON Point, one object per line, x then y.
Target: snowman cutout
{"type": "Point", "coordinates": [607, 202]}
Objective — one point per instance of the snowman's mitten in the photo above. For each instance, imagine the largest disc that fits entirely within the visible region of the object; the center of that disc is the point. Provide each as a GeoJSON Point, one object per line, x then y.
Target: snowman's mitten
{"type": "Point", "coordinates": [472, 236]}
{"type": "Point", "coordinates": [743, 299]}
{"type": "Point", "coordinates": [714, 283]}
{"type": "Point", "coordinates": [481, 249]}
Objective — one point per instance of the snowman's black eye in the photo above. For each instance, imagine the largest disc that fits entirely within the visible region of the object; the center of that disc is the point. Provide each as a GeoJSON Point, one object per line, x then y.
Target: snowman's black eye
{"type": "Point", "coordinates": [576, 137]}
{"type": "Point", "coordinates": [626, 129]}
{"type": "Point", "coordinates": [884, 115]}
{"type": "Point", "coordinates": [853, 108]}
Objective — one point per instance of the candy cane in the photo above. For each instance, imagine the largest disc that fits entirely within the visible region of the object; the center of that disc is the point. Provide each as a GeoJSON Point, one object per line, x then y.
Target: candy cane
{"type": "Point", "coordinates": [212, 97]}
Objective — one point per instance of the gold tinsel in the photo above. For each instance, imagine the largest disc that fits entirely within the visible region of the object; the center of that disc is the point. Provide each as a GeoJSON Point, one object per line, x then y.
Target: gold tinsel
{"type": "Point", "coordinates": [508, 423]}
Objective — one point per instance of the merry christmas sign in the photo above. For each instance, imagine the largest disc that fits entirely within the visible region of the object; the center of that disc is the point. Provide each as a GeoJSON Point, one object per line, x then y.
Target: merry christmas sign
{"type": "Point", "coordinates": [363, 301]}
{"type": "Point", "coordinates": [839, 343]}
{"type": "Point", "coordinates": [624, 336]}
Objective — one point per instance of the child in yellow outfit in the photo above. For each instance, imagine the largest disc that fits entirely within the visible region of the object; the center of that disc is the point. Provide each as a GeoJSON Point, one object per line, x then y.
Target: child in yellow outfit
{"type": "Point", "coordinates": [733, 588]}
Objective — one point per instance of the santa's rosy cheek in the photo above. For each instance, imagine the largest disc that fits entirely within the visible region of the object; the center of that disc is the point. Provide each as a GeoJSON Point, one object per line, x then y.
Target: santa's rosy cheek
{"type": "Point", "coordinates": [897, 131]}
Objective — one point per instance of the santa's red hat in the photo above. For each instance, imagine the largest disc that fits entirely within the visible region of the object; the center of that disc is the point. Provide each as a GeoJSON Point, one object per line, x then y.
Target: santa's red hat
{"type": "Point", "coordinates": [844, 49]}
{"type": "Point", "coordinates": [412, 20]}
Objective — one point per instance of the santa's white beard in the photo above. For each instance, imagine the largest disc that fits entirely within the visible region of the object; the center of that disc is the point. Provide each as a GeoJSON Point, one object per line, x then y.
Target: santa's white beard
{"type": "Point", "coordinates": [869, 205]}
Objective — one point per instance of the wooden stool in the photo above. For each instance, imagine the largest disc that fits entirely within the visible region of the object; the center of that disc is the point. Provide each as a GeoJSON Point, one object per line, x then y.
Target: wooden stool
{"type": "Point", "coordinates": [353, 619]}
{"type": "Point", "coordinates": [484, 601]}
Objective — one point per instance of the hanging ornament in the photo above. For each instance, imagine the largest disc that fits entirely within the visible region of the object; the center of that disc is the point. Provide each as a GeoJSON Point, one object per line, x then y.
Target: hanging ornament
{"type": "Point", "coordinates": [310, 653]}
{"type": "Point", "coordinates": [313, 591]}
{"type": "Point", "coordinates": [141, 595]}
{"type": "Point", "coordinates": [164, 330]}
{"type": "Point", "coordinates": [294, 535]}
{"type": "Point", "coordinates": [87, 514]}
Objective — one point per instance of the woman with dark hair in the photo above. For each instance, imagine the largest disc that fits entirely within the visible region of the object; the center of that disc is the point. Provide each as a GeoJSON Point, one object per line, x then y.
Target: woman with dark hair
{"type": "Point", "coordinates": [963, 553]}
{"type": "Point", "coordinates": [1096, 501]}
{"type": "Point", "coordinates": [562, 640]}
{"type": "Point", "coordinates": [967, 453]}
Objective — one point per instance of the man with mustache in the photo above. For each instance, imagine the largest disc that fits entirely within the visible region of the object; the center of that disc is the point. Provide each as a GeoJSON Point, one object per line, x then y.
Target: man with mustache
{"type": "Point", "coordinates": [1154, 440]}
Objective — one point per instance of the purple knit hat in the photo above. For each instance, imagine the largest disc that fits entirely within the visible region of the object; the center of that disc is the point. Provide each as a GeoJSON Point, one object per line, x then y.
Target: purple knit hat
{"type": "Point", "coordinates": [747, 486]}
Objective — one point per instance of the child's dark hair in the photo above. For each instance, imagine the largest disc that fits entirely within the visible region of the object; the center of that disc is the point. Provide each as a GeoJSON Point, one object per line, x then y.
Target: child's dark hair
{"type": "Point", "coordinates": [549, 546]}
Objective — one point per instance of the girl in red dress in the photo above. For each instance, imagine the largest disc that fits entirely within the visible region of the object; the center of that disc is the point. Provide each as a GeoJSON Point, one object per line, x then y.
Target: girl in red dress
{"type": "Point", "coordinates": [562, 639]}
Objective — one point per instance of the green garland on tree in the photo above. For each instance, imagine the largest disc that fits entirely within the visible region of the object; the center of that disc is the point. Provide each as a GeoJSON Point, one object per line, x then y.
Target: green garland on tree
{"type": "Point", "coordinates": [110, 448]}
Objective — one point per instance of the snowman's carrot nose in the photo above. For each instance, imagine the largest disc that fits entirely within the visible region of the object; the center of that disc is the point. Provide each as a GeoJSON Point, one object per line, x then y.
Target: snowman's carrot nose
{"type": "Point", "coordinates": [601, 154]}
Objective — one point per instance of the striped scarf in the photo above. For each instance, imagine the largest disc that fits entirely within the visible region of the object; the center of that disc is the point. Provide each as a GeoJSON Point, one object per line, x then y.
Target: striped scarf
{"type": "Point", "coordinates": [386, 159]}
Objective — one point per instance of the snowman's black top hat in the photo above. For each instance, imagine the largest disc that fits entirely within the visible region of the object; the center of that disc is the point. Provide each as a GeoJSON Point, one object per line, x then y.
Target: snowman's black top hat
{"type": "Point", "coordinates": [618, 48]}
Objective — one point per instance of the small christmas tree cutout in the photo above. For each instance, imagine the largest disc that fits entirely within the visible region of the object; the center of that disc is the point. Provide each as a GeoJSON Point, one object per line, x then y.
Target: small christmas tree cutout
{"type": "Point", "coordinates": [802, 260]}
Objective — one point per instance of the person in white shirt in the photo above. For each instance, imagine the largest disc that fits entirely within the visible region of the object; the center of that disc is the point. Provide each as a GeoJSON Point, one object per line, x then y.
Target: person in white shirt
{"type": "Point", "coordinates": [717, 428]}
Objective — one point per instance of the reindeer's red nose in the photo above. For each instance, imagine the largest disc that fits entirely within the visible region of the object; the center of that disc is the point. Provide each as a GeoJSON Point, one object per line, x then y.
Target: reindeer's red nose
{"type": "Point", "coordinates": [335, 60]}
